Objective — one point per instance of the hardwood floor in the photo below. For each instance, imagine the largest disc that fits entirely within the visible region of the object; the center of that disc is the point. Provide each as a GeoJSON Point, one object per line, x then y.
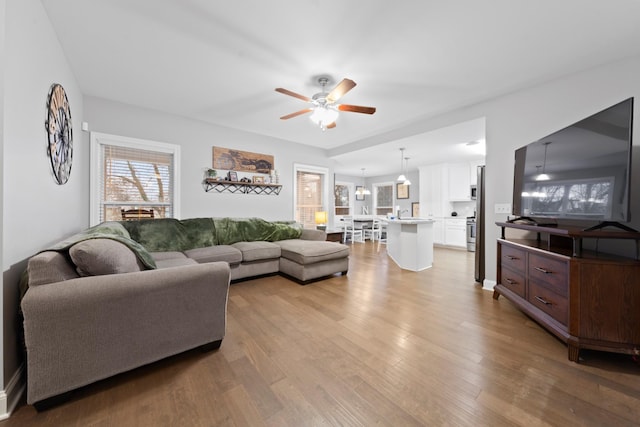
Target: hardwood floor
{"type": "Point", "coordinates": [381, 346]}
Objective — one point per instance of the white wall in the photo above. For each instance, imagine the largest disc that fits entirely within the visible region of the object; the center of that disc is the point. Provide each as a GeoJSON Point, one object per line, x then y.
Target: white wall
{"type": "Point", "coordinates": [196, 140]}
{"type": "Point", "coordinates": [525, 116]}
{"type": "Point", "coordinates": [36, 211]}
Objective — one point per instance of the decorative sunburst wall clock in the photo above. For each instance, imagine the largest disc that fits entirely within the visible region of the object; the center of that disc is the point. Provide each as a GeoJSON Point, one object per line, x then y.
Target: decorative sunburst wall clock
{"type": "Point", "coordinates": [59, 133]}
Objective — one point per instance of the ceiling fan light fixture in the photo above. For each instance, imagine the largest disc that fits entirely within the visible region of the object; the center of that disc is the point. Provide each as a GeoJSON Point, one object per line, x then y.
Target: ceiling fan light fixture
{"type": "Point", "coordinates": [325, 108]}
{"type": "Point", "coordinates": [323, 116]}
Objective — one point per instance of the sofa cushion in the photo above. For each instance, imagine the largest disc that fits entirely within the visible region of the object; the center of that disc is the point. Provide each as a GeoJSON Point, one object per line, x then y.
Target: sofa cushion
{"type": "Point", "coordinates": [162, 256]}
{"type": "Point", "coordinates": [312, 251]}
{"type": "Point", "coordinates": [257, 251]}
{"type": "Point", "coordinates": [96, 257]}
{"type": "Point", "coordinates": [175, 262]}
{"type": "Point", "coordinates": [50, 267]}
{"type": "Point", "coordinates": [215, 253]}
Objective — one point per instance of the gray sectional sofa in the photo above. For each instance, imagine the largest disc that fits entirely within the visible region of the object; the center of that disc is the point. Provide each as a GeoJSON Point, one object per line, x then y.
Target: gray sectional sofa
{"type": "Point", "coordinates": [124, 294]}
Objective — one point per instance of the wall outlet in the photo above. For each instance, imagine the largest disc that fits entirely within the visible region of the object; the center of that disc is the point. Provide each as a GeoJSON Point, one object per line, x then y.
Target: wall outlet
{"type": "Point", "coordinates": [503, 208]}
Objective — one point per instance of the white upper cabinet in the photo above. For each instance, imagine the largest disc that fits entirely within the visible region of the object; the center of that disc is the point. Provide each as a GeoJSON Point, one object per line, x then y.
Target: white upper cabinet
{"type": "Point", "coordinates": [433, 191]}
{"type": "Point", "coordinates": [459, 181]}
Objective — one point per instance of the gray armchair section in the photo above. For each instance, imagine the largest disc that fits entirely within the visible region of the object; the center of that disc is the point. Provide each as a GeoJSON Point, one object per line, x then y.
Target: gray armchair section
{"type": "Point", "coordinates": [82, 330]}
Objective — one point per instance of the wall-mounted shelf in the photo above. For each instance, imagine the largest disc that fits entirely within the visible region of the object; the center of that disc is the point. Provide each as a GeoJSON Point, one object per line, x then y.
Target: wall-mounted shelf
{"type": "Point", "coordinates": [241, 187]}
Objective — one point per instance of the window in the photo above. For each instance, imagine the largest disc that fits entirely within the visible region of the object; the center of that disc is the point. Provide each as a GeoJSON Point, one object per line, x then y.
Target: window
{"type": "Point", "coordinates": [343, 199]}
{"type": "Point", "coordinates": [129, 173]}
{"type": "Point", "coordinates": [383, 198]}
{"type": "Point", "coordinates": [311, 192]}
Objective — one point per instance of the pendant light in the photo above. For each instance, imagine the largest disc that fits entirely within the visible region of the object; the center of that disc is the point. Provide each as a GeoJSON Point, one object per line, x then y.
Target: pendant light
{"type": "Point", "coordinates": [363, 191]}
{"type": "Point", "coordinates": [401, 177]}
{"type": "Point", "coordinates": [543, 176]}
{"type": "Point", "coordinates": [406, 181]}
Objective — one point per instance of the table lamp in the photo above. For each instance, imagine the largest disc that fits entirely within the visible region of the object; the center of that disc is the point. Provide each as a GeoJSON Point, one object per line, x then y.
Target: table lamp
{"type": "Point", "coordinates": [321, 220]}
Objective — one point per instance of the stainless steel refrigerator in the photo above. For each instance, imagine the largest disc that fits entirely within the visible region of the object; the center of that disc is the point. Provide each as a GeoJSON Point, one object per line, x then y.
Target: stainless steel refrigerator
{"type": "Point", "coordinates": [480, 214]}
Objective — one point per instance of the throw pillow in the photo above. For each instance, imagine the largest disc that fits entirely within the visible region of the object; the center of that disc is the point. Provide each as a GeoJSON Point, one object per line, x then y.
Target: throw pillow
{"type": "Point", "coordinates": [96, 257]}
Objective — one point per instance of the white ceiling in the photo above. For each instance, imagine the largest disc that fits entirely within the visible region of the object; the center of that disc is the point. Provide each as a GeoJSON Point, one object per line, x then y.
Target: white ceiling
{"type": "Point", "coordinates": [221, 61]}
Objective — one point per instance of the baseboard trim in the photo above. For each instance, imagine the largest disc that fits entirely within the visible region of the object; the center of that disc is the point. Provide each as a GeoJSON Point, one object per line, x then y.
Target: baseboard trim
{"type": "Point", "coordinates": [488, 285]}
{"type": "Point", "coordinates": [10, 397]}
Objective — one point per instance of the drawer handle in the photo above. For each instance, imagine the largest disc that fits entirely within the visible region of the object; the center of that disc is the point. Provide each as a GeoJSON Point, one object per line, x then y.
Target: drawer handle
{"type": "Point", "coordinates": [542, 270]}
{"type": "Point", "coordinates": [544, 301]}
{"type": "Point", "coordinates": [511, 282]}
{"type": "Point", "coordinates": [512, 258]}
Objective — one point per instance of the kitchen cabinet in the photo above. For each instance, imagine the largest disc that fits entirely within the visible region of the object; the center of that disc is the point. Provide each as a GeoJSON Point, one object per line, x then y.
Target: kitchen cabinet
{"type": "Point", "coordinates": [433, 191]}
{"type": "Point", "coordinates": [455, 232]}
{"type": "Point", "coordinates": [459, 181]}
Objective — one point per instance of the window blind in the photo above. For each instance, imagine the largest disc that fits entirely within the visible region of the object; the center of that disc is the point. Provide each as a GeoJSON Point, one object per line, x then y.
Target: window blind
{"type": "Point", "coordinates": [134, 178]}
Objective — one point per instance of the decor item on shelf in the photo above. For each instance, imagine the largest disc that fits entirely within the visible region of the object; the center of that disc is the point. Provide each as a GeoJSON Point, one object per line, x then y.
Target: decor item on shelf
{"type": "Point", "coordinates": [362, 191]}
{"type": "Point", "coordinates": [232, 176]}
{"type": "Point", "coordinates": [210, 173]}
{"type": "Point", "coordinates": [59, 133]}
{"type": "Point", "coordinates": [246, 180]}
{"type": "Point", "coordinates": [321, 220]}
{"type": "Point", "coordinates": [401, 177]}
{"type": "Point", "coordinates": [257, 179]}
{"type": "Point", "coordinates": [324, 107]}
{"type": "Point", "coordinates": [241, 161]}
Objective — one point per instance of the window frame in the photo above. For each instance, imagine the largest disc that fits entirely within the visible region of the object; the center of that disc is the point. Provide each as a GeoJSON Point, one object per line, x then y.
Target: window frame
{"type": "Point", "coordinates": [98, 140]}
{"type": "Point", "coordinates": [351, 189]}
{"type": "Point", "coordinates": [374, 195]}
{"type": "Point", "coordinates": [299, 167]}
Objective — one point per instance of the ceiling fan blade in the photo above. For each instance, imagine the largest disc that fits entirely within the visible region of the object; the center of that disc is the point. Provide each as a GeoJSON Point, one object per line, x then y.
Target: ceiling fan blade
{"type": "Point", "coordinates": [295, 95]}
{"type": "Point", "coordinates": [338, 92]}
{"type": "Point", "coordinates": [357, 109]}
{"type": "Point", "coordinates": [297, 113]}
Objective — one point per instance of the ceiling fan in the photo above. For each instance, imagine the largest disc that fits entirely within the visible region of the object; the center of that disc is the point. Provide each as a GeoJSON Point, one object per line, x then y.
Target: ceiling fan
{"type": "Point", "coordinates": [324, 106]}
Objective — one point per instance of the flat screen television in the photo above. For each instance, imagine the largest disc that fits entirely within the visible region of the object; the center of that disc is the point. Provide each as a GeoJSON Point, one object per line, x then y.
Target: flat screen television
{"type": "Point", "coordinates": [582, 172]}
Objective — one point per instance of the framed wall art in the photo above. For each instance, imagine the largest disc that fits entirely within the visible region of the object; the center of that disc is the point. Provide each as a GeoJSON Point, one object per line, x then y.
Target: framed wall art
{"type": "Point", "coordinates": [415, 210]}
{"type": "Point", "coordinates": [402, 191]}
{"type": "Point", "coordinates": [359, 193]}
{"type": "Point", "coordinates": [241, 161]}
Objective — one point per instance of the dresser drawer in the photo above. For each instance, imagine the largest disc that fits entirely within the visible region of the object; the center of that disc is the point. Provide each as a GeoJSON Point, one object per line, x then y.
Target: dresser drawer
{"type": "Point", "coordinates": [513, 258]}
{"type": "Point", "coordinates": [512, 280]}
{"type": "Point", "coordinates": [555, 305]}
{"type": "Point", "coordinates": [549, 272]}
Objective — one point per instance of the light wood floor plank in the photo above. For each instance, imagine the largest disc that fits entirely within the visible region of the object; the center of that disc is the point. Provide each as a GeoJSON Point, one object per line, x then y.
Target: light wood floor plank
{"type": "Point", "coordinates": [379, 346]}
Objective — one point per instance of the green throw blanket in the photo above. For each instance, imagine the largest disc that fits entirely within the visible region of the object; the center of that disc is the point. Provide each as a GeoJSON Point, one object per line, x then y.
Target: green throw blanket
{"type": "Point", "coordinates": [107, 230]}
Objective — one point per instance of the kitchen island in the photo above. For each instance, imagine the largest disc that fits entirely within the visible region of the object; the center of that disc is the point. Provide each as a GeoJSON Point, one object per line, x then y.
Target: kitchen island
{"type": "Point", "coordinates": [410, 243]}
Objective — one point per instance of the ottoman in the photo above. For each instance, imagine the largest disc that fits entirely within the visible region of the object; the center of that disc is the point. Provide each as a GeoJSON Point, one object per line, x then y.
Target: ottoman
{"type": "Point", "coordinates": [306, 260]}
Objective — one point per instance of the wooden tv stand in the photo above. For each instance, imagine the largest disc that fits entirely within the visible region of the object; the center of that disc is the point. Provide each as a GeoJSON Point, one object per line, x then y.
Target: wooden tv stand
{"type": "Point", "coordinates": [588, 300]}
